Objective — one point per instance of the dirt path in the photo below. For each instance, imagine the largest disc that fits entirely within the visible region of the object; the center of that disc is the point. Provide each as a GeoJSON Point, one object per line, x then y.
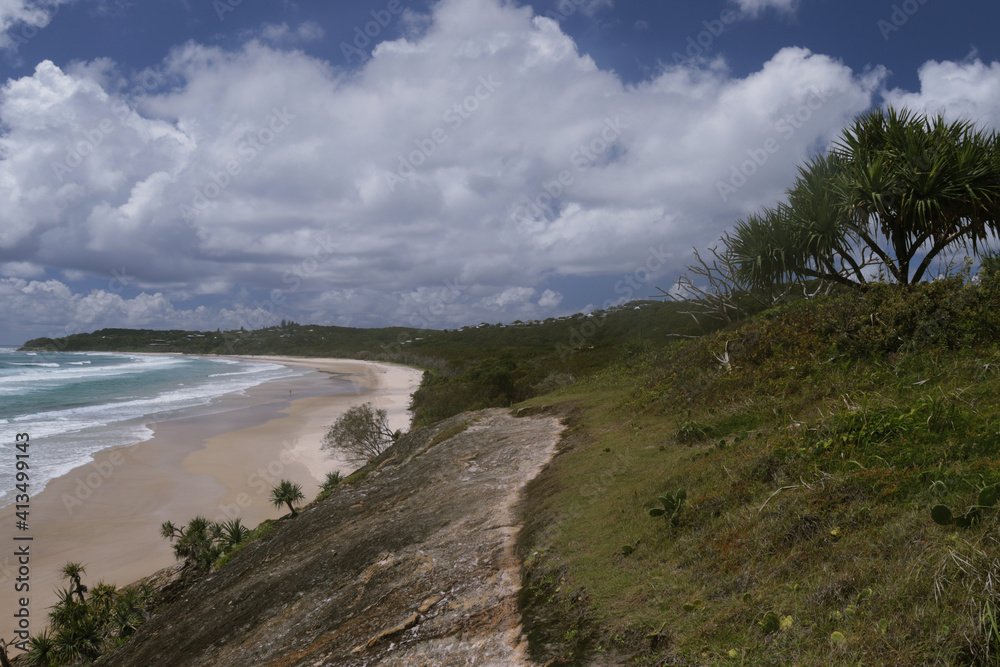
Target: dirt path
{"type": "Point", "coordinates": [413, 565]}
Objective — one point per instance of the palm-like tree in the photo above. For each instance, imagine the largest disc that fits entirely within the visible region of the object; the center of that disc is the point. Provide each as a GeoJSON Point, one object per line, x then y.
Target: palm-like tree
{"type": "Point", "coordinates": [78, 639]}
{"type": "Point", "coordinates": [73, 571]}
{"type": "Point", "coordinates": [124, 619]}
{"type": "Point", "coordinates": [332, 479]}
{"type": "Point", "coordinates": [66, 610]}
{"type": "Point", "coordinates": [169, 531]}
{"type": "Point", "coordinates": [286, 493]}
{"type": "Point", "coordinates": [196, 544]}
{"type": "Point", "coordinates": [231, 532]}
{"type": "Point", "coordinates": [915, 180]}
{"type": "Point", "coordinates": [42, 650]}
{"type": "Point", "coordinates": [102, 599]}
{"type": "Point", "coordinates": [898, 189]}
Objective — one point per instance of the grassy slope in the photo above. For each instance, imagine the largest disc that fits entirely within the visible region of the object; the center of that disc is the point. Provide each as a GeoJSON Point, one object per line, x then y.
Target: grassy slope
{"type": "Point", "coordinates": [808, 464]}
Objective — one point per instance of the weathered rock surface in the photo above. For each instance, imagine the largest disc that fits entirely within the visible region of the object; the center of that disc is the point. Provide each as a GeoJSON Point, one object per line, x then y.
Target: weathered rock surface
{"type": "Point", "coordinates": [413, 565]}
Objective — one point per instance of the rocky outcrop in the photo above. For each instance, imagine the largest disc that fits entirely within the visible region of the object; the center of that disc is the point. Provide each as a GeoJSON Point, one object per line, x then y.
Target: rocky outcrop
{"type": "Point", "coordinates": [412, 565]}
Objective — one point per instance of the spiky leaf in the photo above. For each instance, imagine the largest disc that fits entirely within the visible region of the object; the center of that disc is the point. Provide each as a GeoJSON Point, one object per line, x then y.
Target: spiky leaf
{"type": "Point", "coordinates": [987, 497]}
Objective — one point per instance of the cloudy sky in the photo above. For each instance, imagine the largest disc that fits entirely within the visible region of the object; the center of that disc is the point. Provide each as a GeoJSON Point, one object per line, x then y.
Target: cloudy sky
{"type": "Point", "coordinates": [198, 164]}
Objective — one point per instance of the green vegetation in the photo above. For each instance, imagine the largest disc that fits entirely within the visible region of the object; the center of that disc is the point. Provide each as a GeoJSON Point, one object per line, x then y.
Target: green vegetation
{"type": "Point", "coordinates": [83, 628]}
{"type": "Point", "coordinates": [287, 493]}
{"type": "Point", "coordinates": [333, 479]}
{"type": "Point", "coordinates": [360, 434]}
{"type": "Point", "coordinates": [671, 510]}
{"type": "Point", "coordinates": [942, 514]}
{"type": "Point", "coordinates": [897, 188]}
{"type": "Point", "coordinates": [813, 458]}
{"type": "Point", "coordinates": [202, 543]}
{"type": "Point", "coordinates": [263, 529]}
{"type": "Point", "coordinates": [290, 338]}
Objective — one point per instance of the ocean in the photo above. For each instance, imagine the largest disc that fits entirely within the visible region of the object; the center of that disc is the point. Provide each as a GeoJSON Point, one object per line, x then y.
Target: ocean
{"type": "Point", "coordinates": [74, 404]}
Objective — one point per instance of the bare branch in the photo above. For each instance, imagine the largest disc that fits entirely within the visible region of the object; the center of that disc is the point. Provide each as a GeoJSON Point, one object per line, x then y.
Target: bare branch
{"type": "Point", "coordinates": [361, 433]}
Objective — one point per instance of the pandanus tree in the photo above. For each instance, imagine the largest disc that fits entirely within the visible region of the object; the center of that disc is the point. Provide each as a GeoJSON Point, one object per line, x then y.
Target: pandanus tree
{"type": "Point", "coordinates": [72, 571]}
{"type": "Point", "coordinates": [892, 194]}
{"type": "Point", "coordinates": [287, 493]}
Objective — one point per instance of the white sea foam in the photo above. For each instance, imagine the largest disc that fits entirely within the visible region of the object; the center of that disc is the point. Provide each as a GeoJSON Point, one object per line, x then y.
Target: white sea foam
{"type": "Point", "coordinates": [83, 407]}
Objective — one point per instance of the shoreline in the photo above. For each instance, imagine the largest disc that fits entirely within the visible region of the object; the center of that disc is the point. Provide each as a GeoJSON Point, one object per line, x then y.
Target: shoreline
{"type": "Point", "coordinates": [107, 514]}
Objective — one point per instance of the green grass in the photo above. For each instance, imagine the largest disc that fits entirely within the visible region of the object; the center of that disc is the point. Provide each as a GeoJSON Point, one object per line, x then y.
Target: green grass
{"type": "Point", "coordinates": [808, 466]}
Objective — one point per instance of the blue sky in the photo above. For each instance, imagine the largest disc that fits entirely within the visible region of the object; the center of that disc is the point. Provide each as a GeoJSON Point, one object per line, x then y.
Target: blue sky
{"type": "Point", "coordinates": [201, 164]}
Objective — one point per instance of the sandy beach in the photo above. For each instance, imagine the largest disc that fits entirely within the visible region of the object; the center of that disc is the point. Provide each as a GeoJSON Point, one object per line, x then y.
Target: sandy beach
{"type": "Point", "coordinates": [107, 514]}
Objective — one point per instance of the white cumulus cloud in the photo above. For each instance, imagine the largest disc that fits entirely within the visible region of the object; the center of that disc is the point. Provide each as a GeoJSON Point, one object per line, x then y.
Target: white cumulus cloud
{"type": "Point", "coordinates": [968, 90]}
{"type": "Point", "coordinates": [443, 182]}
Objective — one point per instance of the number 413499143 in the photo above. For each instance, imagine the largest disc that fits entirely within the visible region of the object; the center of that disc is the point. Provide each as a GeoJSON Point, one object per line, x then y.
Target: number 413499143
{"type": "Point", "coordinates": [21, 465]}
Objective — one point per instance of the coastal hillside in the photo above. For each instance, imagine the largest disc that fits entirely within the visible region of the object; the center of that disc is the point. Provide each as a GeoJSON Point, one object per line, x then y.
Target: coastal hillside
{"type": "Point", "coordinates": [824, 478]}
{"type": "Point", "coordinates": [411, 561]}
{"type": "Point", "coordinates": [813, 485]}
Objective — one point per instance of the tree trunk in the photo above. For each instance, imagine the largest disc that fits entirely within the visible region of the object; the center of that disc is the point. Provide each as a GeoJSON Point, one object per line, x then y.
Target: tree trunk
{"type": "Point", "coordinates": [80, 588]}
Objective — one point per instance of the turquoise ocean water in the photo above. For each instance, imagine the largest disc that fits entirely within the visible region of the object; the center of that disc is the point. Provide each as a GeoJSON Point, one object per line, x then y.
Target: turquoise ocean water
{"type": "Point", "coordinates": [75, 404]}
